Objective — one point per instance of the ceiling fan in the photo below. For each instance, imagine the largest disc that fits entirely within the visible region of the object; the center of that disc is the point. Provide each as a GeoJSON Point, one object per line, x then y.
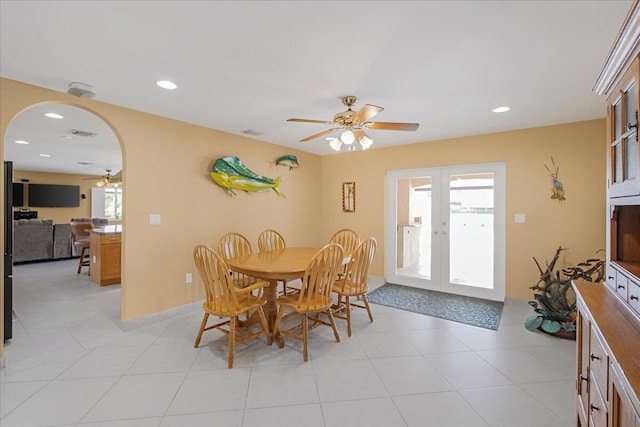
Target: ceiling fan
{"type": "Point", "coordinates": [354, 123]}
{"type": "Point", "coordinates": [107, 180]}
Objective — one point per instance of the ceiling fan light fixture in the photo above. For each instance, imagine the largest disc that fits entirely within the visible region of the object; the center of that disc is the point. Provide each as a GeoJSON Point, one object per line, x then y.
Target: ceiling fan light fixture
{"type": "Point", "coordinates": [335, 143]}
{"type": "Point", "coordinates": [347, 137]}
{"type": "Point", "coordinates": [365, 142]}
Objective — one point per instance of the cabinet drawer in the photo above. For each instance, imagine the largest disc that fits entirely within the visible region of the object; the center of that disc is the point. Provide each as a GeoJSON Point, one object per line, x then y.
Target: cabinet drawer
{"type": "Point", "coordinates": [611, 277]}
{"type": "Point", "coordinates": [599, 365]}
{"type": "Point", "coordinates": [108, 239]}
{"type": "Point", "coordinates": [634, 295]}
{"type": "Point", "coordinates": [597, 408]}
{"type": "Point", "coordinates": [622, 283]}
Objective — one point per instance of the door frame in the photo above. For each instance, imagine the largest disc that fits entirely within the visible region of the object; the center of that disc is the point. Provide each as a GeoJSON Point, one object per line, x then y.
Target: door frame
{"type": "Point", "coordinates": [498, 291]}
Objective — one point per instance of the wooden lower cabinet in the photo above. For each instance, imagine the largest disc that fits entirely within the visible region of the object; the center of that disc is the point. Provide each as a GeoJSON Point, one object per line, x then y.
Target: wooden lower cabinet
{"type": "Point", "coordinates": [582, 384]}
{"type": "Point", "coordinates": [608, 346]}
{"type": "Point", "coordinates": [105, 258]}
{"type": "Point", "coordinates": [622, 413]}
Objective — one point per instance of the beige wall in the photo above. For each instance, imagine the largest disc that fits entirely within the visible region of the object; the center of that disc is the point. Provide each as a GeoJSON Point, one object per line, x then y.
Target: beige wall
{"type": "Point", "coordinates": [577, 223]}
{"type": "Point", "coordinates": [58, 215]}
{"type": "Point", "coordinates": [166, 165]}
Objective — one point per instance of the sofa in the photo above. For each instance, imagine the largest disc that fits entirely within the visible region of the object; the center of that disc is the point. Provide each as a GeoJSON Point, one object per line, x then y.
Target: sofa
{"type": "Point", "coordinates": [42, 240]}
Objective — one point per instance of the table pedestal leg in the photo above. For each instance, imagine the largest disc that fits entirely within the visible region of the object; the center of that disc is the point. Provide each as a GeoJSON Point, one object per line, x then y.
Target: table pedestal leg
{"type": "Point", "coordinates": [271, 309]}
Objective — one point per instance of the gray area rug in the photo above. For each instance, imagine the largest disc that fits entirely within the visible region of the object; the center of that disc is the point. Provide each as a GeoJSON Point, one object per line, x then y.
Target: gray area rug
{"type": "Point", "coordinates": [471, 311]}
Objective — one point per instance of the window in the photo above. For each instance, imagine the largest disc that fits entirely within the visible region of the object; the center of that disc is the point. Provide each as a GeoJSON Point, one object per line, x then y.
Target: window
{"type": "Point", "coordinates": [106, 202]}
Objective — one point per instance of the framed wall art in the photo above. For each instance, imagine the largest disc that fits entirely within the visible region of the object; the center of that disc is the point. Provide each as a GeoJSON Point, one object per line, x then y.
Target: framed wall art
{"type": "Point", "coordinates": [348, 197]}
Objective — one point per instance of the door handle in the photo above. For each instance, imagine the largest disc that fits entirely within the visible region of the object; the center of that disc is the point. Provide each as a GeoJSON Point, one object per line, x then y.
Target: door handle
{"type": "Point", "coordinates": [594, 357]}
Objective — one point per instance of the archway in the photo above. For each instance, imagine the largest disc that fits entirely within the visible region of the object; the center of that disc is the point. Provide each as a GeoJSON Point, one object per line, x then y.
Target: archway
{"type": "Point", "coordinates": [65, 146]}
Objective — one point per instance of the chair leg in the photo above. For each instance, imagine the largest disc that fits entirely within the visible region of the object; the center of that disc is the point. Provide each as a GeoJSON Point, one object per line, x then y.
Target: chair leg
{"type": "Point", "coordinates": [202, 326]}
{"type": "Point", "coordinates": [81, 260]}
{"type": "Point", "coordinates": [348, 305]}
{"type": "Point", "coordinates": [305, 336]}
{"type": "Point", "coordinates": [232, 339]}
{"type": "Point", "coordinates": [366, 304]}
{"type": "Point", "coordinates": [333, 325]}
{"type": "Point", "coordinates": [265, 326]}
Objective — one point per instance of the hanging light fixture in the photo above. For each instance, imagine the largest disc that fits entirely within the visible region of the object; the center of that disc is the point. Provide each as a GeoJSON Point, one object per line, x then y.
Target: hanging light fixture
{"type": "Point", "coordinates": [347, 138]}
{"type": "Point", "coordinates": [366, 142]}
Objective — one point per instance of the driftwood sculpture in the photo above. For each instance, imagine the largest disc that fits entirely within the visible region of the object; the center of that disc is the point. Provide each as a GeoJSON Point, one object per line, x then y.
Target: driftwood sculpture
{"type": "Point", "coordinates": [555, 299]}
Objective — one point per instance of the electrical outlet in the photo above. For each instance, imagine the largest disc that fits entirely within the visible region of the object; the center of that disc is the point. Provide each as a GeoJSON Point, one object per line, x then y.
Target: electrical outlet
{"type": "Point", "coordinates": [188, 278]}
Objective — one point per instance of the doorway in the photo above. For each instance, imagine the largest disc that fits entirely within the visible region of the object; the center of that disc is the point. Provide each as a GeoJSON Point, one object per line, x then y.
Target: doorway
{"type": "Point", "coordinates": [58, 145]}
{"type": "Point", "coordinates": [446, 229]}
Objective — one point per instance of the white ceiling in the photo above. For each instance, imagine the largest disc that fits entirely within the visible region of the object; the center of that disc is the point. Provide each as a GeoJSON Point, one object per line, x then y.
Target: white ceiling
{"type": "Point", "coordinates": [253, 64]}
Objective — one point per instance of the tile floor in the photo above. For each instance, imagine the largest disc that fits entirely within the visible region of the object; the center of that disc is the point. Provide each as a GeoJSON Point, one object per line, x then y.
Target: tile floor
{"type": "Point", "coordinates": [71, 364]}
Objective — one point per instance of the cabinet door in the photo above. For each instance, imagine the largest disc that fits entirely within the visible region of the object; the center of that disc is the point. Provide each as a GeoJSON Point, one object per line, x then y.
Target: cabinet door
{"type": "Point", "coordinates": [621, 413]}
{"type": "Point", "coordinates": [111, 260]}
{"type": "Point", "coordinates": [582, 323]}
{"type": "Point", "coordinates": [624, 176]}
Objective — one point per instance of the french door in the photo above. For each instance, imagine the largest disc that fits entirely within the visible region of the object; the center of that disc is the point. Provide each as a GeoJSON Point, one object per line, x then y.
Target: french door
{"type": "Point", "coordinates": [445, 229]}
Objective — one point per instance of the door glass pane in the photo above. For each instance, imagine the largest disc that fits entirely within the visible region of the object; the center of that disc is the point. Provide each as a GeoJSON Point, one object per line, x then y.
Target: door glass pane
{"type": "Point", "coordinates": [617, 121]}
{"type": "Point", "coordinates": [414, 227]}
{"type": "Point", "coordinates": [471, 230]}
{"type": "Point", "coordinates": [630, 104]}
{"type": "Point", "coordinates": [632, 158]}
{"type": "Point", "coordinates": [617, 164]}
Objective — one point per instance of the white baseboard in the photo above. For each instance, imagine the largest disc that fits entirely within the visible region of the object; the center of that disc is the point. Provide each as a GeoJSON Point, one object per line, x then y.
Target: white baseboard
{"type": "Point", "coordinates": [128, 325]}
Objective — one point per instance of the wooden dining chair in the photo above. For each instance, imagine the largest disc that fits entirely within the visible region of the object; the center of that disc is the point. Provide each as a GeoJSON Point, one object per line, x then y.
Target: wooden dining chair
{"type": "Point", "coordinates": [80, 235]}
{"type": "Point", "coordinates": [314, 296]}
{"type": "Point", "coordinates": [226, 300]}
{"type": "Point", "coordinates": [270, 240]}
{"type": "Point", "coordinates": [231, 245]}
{"type": "Point", "coordinates": [355, 284]}
{"type": "Point", "coordinates": [349, 240]}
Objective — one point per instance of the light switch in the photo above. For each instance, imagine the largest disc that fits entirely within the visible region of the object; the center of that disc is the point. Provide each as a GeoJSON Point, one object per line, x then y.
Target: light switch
{"type": "Point", "coordinates": [154, 219]}
{"type": "Point", "coordinates": [520, 218]}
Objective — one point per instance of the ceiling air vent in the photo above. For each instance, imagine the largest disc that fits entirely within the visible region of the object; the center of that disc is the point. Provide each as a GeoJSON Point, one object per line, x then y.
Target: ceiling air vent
{"type": "Point", "coordinates": [251, 132]}
{"type": "Point", "coordinates": [80, 132]}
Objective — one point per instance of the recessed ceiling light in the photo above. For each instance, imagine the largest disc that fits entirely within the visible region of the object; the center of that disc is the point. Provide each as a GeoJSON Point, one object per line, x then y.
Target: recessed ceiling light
{"type": "Point", "coordinates": [54, 115]}
{"type": "Point", "coordinates": [501, 109]}
{"type": "Point", "coordinates": [22, 142]}
{"type": "Point", "coordinates": [67, 137]}
{"type": "Point", "coordinates": [45, 155]}
{"type": "Point", "coordinates": [166, 84]}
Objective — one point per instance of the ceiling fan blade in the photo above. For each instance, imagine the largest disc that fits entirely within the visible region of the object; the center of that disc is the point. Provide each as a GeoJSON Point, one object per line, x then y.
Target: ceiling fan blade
{"type": "Point", "coordinates": [318, 135]}
{"type": "Point", "coordinates": [366, 112]}
{"type": "Point", "coordinates": [359, 133]}
{"type": "Point", "coordinates": [391, 126]}
{"type": "Point", "coordinates": [310, 121]}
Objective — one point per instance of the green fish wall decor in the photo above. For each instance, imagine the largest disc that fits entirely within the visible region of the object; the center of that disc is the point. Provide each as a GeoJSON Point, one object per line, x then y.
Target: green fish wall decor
{"type": "Point", "coordinates": [230, 174]}
{"type": "Point", "coordinates": [288, 160]}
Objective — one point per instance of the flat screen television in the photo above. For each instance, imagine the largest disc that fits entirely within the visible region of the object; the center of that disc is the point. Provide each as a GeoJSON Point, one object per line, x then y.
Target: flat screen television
{"type": "Point", "coordinates": [53, 196]}
{"type": "Point", "coordinates": [18, 194]}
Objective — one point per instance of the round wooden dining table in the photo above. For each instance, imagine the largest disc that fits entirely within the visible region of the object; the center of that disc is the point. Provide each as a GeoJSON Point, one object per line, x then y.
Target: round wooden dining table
{"type": "Point", "coordinates": [280, 264]}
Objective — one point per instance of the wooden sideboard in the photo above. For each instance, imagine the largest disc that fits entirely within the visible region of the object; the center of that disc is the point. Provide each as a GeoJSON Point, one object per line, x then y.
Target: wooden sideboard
{"type": "Point", "coordinates": [608, 322]}
{"type": "Point", "coordinates": [106, 252]}
{"type": "Point", "coordinates": [608, 361]}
